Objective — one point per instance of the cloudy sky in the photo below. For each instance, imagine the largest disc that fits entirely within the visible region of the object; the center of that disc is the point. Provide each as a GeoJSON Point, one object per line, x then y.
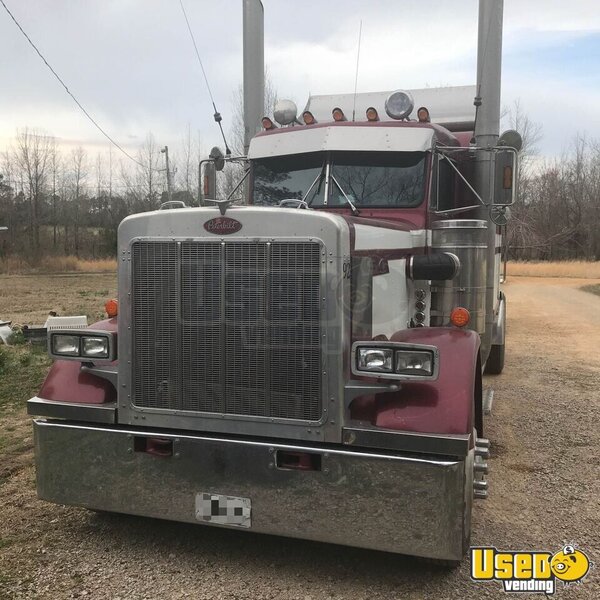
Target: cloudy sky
{"type": "Point", "coordinates": [132, 65]}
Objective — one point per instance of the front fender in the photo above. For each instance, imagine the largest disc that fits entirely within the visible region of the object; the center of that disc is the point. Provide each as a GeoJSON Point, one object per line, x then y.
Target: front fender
{"type": "Point", "coordinates": [442, 406]}
{"type": "Point", "coordinates": [66, 382]}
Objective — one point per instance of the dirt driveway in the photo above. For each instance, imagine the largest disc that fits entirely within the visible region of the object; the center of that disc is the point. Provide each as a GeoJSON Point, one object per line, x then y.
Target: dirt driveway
{"type": "Point", "coordinates": [544, 482]}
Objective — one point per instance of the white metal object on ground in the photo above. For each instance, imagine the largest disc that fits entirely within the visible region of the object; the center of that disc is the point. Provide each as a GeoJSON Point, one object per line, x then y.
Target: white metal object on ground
{"type": "Point", "coordinates": [77, 322]}
{"type": "Point", "coordinates": [5, 331]}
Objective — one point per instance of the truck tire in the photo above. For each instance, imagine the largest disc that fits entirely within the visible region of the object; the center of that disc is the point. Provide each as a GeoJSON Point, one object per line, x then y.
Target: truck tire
{"type": "Point", "coordinates": [495, 362]}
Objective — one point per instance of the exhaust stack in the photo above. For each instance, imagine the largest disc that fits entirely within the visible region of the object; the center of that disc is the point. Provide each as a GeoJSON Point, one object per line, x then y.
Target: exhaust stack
{"type": "Point", "coordinates": [487, 129]}
{"type": "Point", "coordinates": [254, 69]}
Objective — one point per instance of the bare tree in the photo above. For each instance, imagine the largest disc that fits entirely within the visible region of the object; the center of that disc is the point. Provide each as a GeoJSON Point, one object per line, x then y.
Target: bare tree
{"type": "Point", "coordinates": [530, 131]}
{"type": "Point", "coordinates": [55, 164]}
{"type": "Point", "coordinates": [236, 131]}
{"type": "Point", "coordinates": [32, 157]}
{"type": "Point", "coordinates": [234, 171]}
{"type": "Point", "coordinates": [145, 183]}
{"type": "Point", "coordinates": [79, 175]}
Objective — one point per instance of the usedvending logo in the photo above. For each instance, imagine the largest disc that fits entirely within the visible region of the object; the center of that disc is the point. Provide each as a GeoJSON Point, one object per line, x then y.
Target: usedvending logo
{"type": "Point", "coordinates": [531, 572]}
{"type": "Point", "coordinates": [222, 226]}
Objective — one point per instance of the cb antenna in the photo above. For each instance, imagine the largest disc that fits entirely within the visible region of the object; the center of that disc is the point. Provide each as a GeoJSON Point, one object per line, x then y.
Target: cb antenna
{"type": "Point", "coordinates": [217, 115]}
{"type": "Point", "coordinates": [356, 76]}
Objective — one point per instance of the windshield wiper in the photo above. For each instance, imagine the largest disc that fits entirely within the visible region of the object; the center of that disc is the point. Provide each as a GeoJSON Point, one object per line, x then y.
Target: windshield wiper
{"type": "Point", "coordinates": [355, 210]}
{"type": "Point", "coordinates": [318, 178]}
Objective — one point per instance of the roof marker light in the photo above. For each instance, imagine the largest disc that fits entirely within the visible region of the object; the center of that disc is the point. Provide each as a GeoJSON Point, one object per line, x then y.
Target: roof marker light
{"type": "Point", "coordinates": [372, 114]}
{"type": "Point", "coordinates": [423, 114]}
{"type": "Point", "coordinates": [338, 114]}
{"type": "Point", "coordinates": [308, 117]}
{"type": "Point", "coordinates": [268, 124]}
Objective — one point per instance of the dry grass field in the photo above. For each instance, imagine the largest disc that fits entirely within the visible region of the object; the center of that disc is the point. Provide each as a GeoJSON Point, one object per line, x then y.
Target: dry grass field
{"type": "Point", "coordinates": [14, 265]}
{"type": "Point", "coordinates": [27, 299]}
{"type": "Point", "coordinates": [579, 269]}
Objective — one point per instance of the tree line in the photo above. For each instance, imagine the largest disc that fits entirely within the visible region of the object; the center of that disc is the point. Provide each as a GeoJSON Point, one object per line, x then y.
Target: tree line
{"type": "Point", "coordinates": [557, 216]}
{"type": "Point", "coordinates": [57, 201]}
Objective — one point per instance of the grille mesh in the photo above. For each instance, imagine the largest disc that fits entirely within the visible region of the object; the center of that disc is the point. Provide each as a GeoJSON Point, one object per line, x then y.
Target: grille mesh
{"type": "Point", "coordinates": [228, 328]}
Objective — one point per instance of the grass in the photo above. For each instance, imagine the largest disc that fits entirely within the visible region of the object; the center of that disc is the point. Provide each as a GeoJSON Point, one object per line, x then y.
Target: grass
{"type": "Point", "coordinates": [569, 268]}
{"type": "Point", "coordinates": [592, 289]}
{"type": "Point", "coordinates": [14, 265]}
{"type": "Point", "coordinates": [27, 299]}
{"type": "Point", "coordinates": [23, 369]}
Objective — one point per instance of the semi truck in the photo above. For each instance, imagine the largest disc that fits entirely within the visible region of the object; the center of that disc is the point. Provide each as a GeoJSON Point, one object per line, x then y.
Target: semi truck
{"type": "Point", "coordinates": [308, 364]}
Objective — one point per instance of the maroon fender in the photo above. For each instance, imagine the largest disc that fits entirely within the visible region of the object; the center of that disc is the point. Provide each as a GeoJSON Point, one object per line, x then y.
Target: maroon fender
{"type": "Point", "coordinates": [442, 406]}
{"type": "Point", "coordinates": [66, 382]}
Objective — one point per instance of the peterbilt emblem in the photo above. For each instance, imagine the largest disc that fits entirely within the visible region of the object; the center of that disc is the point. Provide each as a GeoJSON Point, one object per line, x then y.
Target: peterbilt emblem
{"type": "Point", "coordinates": [222, 226]}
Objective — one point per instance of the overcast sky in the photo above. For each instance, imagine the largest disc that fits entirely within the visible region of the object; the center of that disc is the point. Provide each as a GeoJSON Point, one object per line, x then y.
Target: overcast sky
{"type": "Point", "coordinates": [131, 62]}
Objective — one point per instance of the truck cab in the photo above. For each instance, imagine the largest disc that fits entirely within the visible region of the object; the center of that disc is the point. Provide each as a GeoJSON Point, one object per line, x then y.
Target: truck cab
{"type": "Point", "coordinates": [308, 364]}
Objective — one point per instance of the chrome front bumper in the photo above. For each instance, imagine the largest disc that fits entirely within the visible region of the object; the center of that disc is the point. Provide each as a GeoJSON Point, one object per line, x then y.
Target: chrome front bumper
{"type": "Point", "coordinates": [371, 499]}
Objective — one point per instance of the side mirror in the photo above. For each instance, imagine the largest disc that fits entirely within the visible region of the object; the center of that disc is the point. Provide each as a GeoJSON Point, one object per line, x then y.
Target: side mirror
{"type": "Point", "coordinates": [505, 176]}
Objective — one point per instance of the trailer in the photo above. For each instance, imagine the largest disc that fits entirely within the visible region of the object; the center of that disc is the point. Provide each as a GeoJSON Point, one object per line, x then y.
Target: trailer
{"type": "Point", "coordinates": [308, 364]}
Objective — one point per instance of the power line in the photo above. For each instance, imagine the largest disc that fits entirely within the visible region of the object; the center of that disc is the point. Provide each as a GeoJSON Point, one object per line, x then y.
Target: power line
{"type": "Point", "coordinates": [217, 115]}
{"type": "Point", "coordinates": [85, 112]}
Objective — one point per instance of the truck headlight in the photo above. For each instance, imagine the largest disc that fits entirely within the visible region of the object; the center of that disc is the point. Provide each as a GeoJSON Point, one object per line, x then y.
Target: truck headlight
{"type": "Point", "coordinates": [395, 360]}
{"type": "Point", "coordinates": [83, 345]}
{"type": "Point", "coordinates": [94, 347]}
{"type": "Point", "coordinates": [66, 345]}
{"type": "Point", "coordinates": [376, 359]}
{"type": "Point", "coordinates": [414, 362]}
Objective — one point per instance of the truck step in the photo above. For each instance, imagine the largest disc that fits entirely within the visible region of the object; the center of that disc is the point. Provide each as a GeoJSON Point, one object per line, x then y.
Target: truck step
{"type": "Point", "coordinates": [488, 400]}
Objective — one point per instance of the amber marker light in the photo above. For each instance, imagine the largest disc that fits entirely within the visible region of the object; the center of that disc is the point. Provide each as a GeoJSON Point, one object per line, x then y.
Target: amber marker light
{"type": "Point", "coordinates": [507, 179]}
{"type": "Point", "coordinates": [460, 317]}
{"type": "Point", "coordinates": [309, 118]}
{"type": "Point", "coordinates": [423, 115]}
{"type": "Point", "coordinates": [338, 114]}
{"type": "Point", "coordinates": [112, 308]}
{"type": "Point", "coordinates": [372, 114]}
{"type": "Point", "coordinates": [267, 123]}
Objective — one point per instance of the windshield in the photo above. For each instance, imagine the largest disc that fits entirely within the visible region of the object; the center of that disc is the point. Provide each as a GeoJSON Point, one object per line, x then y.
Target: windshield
{"type": "Point", "coordinates": [284, 177]}
{"type": "Point", "coordinates": [368, 179]}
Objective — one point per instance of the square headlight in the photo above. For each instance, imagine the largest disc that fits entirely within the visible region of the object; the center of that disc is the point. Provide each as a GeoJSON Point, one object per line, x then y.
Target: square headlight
{"type": "Point", "coordinates": [414, 362]}
{"type": "Point", "coordinates": [66, 345]}
{"type": "Point", "coordinates": [376, 360]}
{"type": "Point", "coordinates": [94, 347]}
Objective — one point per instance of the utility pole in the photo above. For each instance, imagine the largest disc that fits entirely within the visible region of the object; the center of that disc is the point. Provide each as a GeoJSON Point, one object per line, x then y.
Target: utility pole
{"type": "Point", "coordinates": [165, 151]}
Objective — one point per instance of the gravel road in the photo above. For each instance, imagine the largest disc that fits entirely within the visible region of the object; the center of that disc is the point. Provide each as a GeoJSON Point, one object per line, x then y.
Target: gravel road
{"type": "Point", "coordinates": [544, 481]}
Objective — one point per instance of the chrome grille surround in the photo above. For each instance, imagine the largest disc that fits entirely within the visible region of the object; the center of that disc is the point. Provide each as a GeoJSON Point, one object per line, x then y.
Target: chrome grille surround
{"type": "Point", "coordinates": [227, 328]}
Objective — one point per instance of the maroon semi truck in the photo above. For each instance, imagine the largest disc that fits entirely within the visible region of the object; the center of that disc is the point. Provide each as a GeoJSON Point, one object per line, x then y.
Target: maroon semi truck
{"type": "Point", "coordinates": [308, 364]}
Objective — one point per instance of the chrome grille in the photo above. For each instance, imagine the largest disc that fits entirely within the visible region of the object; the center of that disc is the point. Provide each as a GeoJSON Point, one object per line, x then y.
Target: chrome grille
{"type": "Point", "coordinates": [231, 328]}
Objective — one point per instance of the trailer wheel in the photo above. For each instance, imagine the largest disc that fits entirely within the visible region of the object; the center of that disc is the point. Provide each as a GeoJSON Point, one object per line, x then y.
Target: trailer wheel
{"type": "Point", "coordinates": [495, 362]}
